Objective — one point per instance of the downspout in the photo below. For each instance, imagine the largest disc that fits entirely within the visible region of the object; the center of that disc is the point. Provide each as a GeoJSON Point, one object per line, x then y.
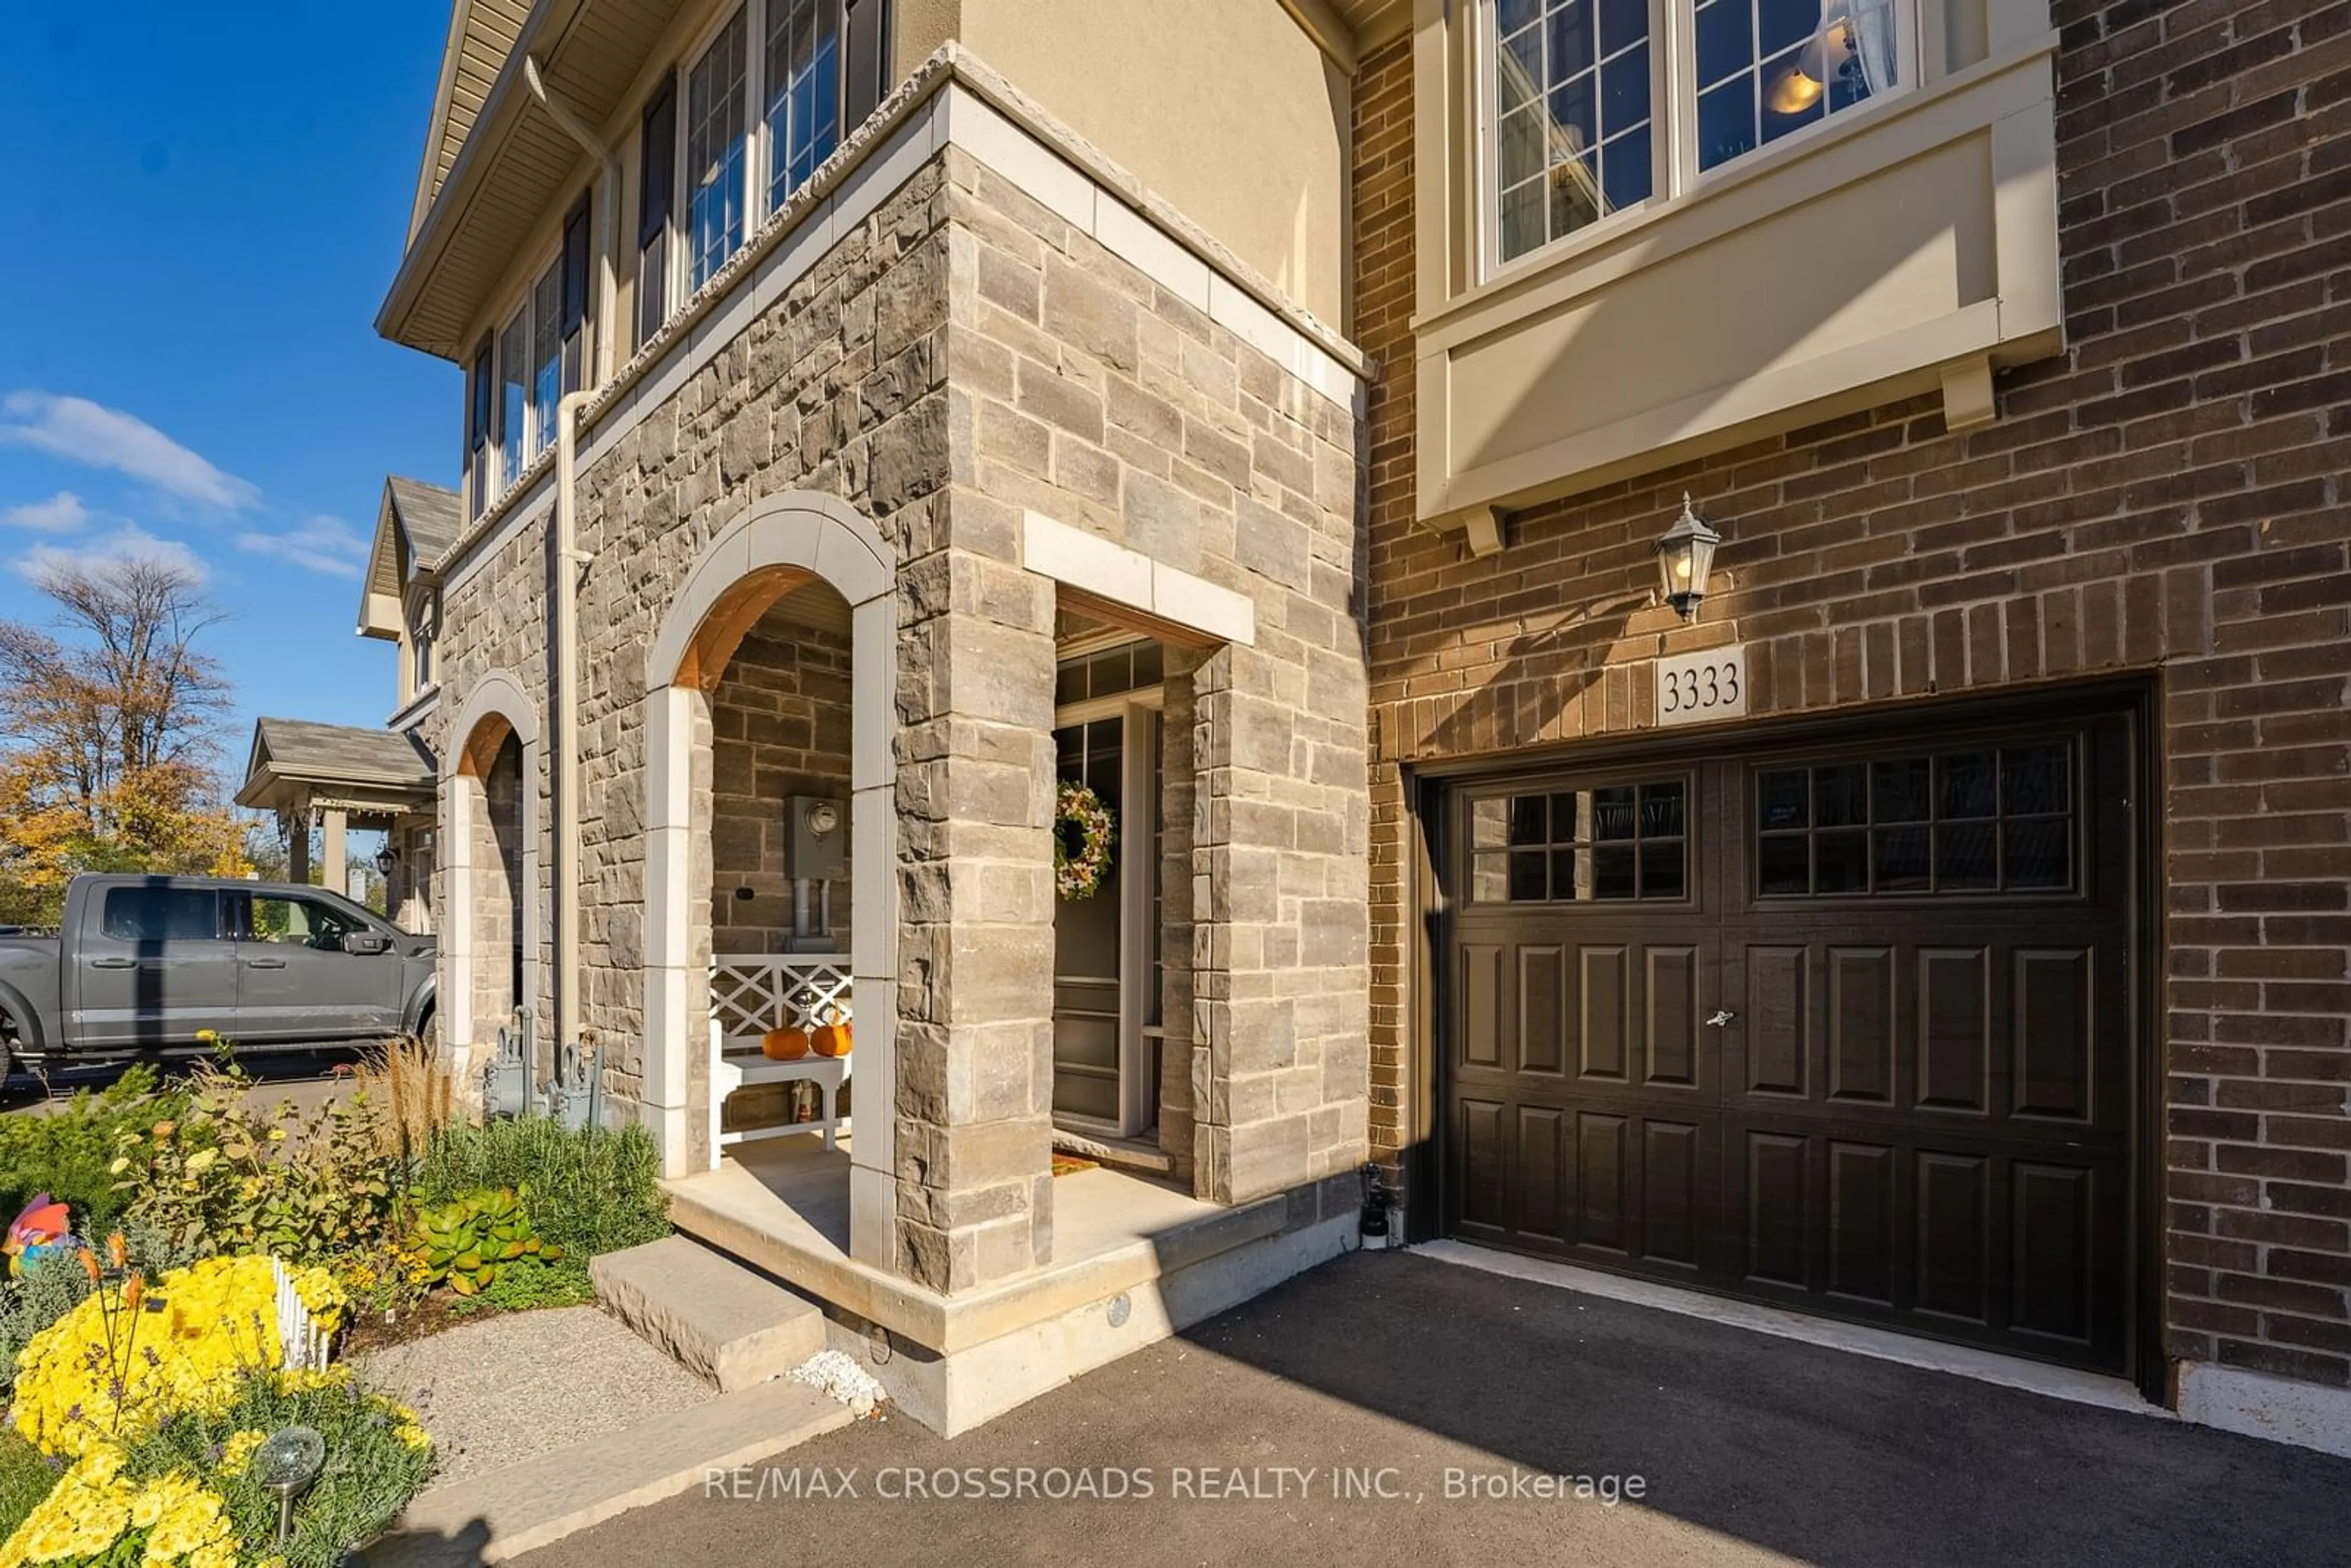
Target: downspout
{"type": "Point", "coordinates": [563, 706]}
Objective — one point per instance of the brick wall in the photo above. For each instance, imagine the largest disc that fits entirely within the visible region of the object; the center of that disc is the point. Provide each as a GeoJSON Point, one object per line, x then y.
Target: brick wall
{"type": "Point", "coordinates": [2168, 496]}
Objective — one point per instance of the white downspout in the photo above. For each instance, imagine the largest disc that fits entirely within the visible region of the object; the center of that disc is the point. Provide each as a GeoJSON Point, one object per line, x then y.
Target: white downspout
{"type": "Point", "coordinates": [563, 706]}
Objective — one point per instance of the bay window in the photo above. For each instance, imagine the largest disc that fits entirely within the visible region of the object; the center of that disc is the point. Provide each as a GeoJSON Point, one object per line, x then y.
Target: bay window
{"type": "Point", "coordinates": [1598, 106]}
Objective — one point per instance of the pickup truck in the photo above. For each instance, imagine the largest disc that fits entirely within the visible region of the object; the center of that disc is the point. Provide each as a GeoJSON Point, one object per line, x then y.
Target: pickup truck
{"type": "Point", "coordinates": [145, 964]}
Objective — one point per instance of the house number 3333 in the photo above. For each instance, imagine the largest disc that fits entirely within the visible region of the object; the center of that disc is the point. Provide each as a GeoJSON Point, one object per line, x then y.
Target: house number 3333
{"type": "Point", "coordinates": [1694, 687]}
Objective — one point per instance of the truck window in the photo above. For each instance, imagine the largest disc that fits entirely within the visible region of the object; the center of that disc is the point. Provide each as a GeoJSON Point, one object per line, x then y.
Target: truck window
{"type": "Point", "coordinates": [299, 922]}
{"type": "Point", "coordinates": [160, 914]}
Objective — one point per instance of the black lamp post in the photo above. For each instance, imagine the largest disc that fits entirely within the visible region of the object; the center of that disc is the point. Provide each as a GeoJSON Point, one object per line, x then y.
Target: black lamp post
{"type": "Point", "coordinates": [1685, 557]}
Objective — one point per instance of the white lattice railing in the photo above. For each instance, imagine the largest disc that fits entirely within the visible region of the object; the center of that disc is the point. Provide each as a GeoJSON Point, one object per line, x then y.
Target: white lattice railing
{"type": "Point", "coordinates": [751, 993]}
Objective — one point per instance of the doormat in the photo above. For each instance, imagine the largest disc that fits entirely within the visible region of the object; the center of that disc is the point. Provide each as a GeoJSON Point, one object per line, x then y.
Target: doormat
{"type": "Point", "coordinates": [1067, 1164]}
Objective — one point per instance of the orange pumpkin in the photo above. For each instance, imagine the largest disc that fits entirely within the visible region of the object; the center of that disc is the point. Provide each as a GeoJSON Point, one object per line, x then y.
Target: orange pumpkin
{"type": "Point", "coordinates": [831, 1038]}
{"type": "Point", "coordinates": [784, 1044]}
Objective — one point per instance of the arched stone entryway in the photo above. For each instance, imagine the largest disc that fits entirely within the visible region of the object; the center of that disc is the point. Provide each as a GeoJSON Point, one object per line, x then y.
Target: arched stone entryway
{"type": "Point", "coordinates": [490, 929]}
{"type": "Point", "coordinates": [779, 545]}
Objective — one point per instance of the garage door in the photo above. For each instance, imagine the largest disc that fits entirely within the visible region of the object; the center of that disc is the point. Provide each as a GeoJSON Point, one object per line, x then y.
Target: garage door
{"type": "Point", "coordinates": [1846, 1029]}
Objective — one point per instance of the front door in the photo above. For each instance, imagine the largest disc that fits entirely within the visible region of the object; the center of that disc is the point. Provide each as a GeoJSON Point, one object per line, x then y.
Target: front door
{"type": "Point", "coordinates": [154, 968]}
{"type": "Point", "coordinates": [295, 983]}
{"type": "Point", "coordinates": [1844, 1030]}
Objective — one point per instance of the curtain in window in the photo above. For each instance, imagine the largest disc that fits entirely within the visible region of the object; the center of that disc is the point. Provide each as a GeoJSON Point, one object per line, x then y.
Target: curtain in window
{"type": "Point", "coordinates": [1873, 42]}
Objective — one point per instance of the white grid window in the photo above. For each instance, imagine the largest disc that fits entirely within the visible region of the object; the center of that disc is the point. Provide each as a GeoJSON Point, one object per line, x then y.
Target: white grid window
{"type": "Point", "coordinates": [1571, 89]}
{"type": "Point", "coordinates": [803, 92]}
{"type": "Point", "coordinates": [1766, 68]}
{"type": "Point", "coordinates": [514, 401]}
{"type": "Point", "coordinates": [715, 147]}
{"type": "Point", "coordinates": [547, 355]}
{"type": "Point", "coordinates": [1588, 115]}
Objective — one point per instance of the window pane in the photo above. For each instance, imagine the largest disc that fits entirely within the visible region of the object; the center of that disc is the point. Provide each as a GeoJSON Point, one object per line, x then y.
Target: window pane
{"type": "Point", "coordinates": [1661, 871]}
{"type": "Point", "coordinates": [1613, 872]}
{"type": "Point", "coordinates": [514, 370]}
{"type": "Point", "coordinates": [1841, 796]}
{"type": "Point", "coordinates": [1513, 15]}
{"type": "Point", "coordinates": [1489, 879]}
{"type": "Point", "coordinates": [2033, 779]}
{"type": "Point", "coordinates": [1612, 813]}
{"type": "Point", "coordinates": [1570, 874]}
{"type": "Point", "coordinates": [1527, 820]}
{"type": "Point", "coordinates": [1904, 864]}
{"type": "Point", "coordinates": [1965, 784]}
{"type": "Point", "coordinates": [803, 92]}
{"type": "Point", "coordinates": [1489, 821]}
{"type": "Point", "coordinates": [160, 914]}
{"type": "Point", "coordinates": [1785, 864]}
{"type": "Point", "coordinates": [1902, 791]}
{"type": "Point", "coordinates": [1520, 147]}
{"type": "Point", "coordinates": [1627, 169]}
{"type": "Point", "coordinates": [1726, 122]}
{"type": "Point", "coordinates": [1661, 810]}
{"type": "Point", "coordinates": [1568, 40]}
{"type": "Point", "coordinates": [714, 153]}
{"type": "Point", "coordinates": [1624, 91]}
{"type": "Point", "coordinates": [1781, 24]}
{"type": "Point", "coordinates": [1964, 856]}
{"type": "Point", "coordinates": [1622, 22]}
{"type": "Point", "coordinates": [1781, 799]}
{"type": "Point", "coordinates": [1522, 219]}
{"type": "Point", "coordinates": [1792, 99]}
{"type": "Point", "coordinates": [1841, 862]}
{"type": "Point", "coordinates": [2039, 852]}
{"type": "Point", "coordinates": [1565, 821]}
{"type": "Point", "coordinates": [1527, 876]}
{"type": "Point", "coordinates": [1725, 42]}
{"type": "Point", "coordinates": [547, 356]}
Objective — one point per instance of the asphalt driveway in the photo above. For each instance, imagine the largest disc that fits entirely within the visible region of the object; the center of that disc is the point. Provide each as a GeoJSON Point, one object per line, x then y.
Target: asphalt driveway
{"type": "Point", "coordinates": [1432, 1386]}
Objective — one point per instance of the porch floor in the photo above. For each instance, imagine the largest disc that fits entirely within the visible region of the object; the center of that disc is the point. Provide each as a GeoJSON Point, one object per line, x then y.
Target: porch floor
{"type": "Point", "coordinates": [782, 1205]}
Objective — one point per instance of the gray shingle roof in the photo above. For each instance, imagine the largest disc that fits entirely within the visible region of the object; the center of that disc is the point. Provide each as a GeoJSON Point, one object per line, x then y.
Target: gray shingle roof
{"type": "Point", "coordinates": [299, 748]}
{"type": "Point", "coordinates": [428, 514]}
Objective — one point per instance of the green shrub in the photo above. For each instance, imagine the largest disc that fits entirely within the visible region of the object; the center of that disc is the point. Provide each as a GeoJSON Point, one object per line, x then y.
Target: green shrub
{"type": "Point", "coordinates": [370, 1474]}
{"type": "Point", "coordinates": [26, 1476]}
{"type": "Point", "coordinates": [529, 1283]}
{"type": "Point", "coordinates": [66, 1152]}
{"type": "Point", "coordinates": [225, 1177]}
{"type": "Point", "coordinates": [467, 1241]}
{"type": "Point", "coordinates": [588, 1190]}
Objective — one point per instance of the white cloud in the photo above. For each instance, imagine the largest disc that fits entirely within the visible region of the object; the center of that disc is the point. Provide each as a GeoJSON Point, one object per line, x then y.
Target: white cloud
{"type": "Point", "coordinates": [322, 544]}
{"type": "Point", "coordinates": [129, 542]}
{"type": "Point", "coordinates": [62, 513]}
{"type": "Point", "coordinates": [80, 430]}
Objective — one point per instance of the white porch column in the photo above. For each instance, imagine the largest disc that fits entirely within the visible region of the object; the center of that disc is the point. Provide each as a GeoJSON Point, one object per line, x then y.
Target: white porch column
{"type": "Point", "coordinates": [873, 929]}
{"type": "Point", "coordinates": [335, 873]}
{"type": "Point", "coordinates": [675, 997]}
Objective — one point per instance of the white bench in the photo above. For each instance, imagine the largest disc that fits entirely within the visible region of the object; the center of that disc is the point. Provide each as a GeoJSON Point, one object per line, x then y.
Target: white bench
{"type": "Point", "coordinates": [737, 1062]}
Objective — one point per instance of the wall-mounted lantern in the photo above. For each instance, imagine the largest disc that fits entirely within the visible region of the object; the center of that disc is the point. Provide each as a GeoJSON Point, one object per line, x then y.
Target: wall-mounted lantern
{"type": "Point", "coordinates": [386, 857]}
{"type": "Point", "coordinates": [1685, 557]}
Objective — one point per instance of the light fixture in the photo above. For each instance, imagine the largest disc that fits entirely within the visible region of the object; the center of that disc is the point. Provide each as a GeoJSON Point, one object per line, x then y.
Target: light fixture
{"type": "Point", "coordinates": [386, 857]}
{"type": "Point", "coordinates": [1685, 556]}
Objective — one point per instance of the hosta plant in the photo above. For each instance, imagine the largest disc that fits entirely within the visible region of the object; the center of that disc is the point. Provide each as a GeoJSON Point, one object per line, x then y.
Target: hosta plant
{"type": "Point", "coordinates": [465, 1243]}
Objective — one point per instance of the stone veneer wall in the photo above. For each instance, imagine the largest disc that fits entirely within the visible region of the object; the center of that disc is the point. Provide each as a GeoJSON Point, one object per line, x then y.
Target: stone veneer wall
{"type": "Point", "coordinates": [2168, 496]}
{"type": "Point", "coordinates": [779, 723]}
{"type": "Point", "coordinates": [1081, 389]}
{"type": "Point", "coordinates": [959, 356]}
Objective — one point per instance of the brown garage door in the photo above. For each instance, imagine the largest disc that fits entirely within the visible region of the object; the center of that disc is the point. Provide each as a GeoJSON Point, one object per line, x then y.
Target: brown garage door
{"type": "Point", "coordinates": [1845, 1031]}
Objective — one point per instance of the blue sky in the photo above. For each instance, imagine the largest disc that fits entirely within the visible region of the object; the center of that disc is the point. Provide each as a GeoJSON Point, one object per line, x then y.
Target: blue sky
{"type": "Point", "coordinates": [201, 207]}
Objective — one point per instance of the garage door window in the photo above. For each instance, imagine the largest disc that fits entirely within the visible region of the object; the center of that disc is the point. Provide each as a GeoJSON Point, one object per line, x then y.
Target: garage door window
{"type": "Point", "coordinates": [1627, 842]}
{"type": "Point", "coordinates": [1987, 820]}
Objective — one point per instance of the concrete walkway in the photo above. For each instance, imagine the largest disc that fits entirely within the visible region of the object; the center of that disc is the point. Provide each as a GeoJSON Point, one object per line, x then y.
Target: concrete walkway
{"type": "Point", "coordinates": [1401, 1369]}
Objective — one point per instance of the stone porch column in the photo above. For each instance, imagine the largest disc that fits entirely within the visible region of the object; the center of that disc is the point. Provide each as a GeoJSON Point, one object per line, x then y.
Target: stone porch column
{"type": "Point", "coordinates": [976, 784]}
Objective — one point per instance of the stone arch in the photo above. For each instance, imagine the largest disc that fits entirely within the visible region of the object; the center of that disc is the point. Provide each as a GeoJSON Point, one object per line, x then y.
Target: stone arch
{"type": "Point", "coordinates": [777, 545]}
{"type": "Point", "coordinates": [497, 712]}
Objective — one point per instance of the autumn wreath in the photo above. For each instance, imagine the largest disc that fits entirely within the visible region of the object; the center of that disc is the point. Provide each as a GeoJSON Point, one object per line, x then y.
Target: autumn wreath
{"type": "Point", "coordinates": [1083, 833]}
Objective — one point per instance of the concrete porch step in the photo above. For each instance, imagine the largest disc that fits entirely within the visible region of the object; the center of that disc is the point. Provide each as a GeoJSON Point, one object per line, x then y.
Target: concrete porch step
{"type": "Point", "coordinates": [727, 1325]}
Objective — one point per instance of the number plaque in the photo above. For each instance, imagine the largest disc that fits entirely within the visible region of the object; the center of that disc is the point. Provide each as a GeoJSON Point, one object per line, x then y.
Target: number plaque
{"type": "Point", "coordinates": [1695, 688]}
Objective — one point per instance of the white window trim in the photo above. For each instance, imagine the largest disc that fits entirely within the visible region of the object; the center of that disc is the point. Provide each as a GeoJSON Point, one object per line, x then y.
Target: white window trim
{"type": "Point", "coordinates": [1673, 119]}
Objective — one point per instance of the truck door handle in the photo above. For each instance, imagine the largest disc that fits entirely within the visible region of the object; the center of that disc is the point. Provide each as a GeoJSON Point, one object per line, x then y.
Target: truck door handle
{"type": "Point", "coordinates": [265, 963]}
{"type": "Point", "coordinates": [114, 963]}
